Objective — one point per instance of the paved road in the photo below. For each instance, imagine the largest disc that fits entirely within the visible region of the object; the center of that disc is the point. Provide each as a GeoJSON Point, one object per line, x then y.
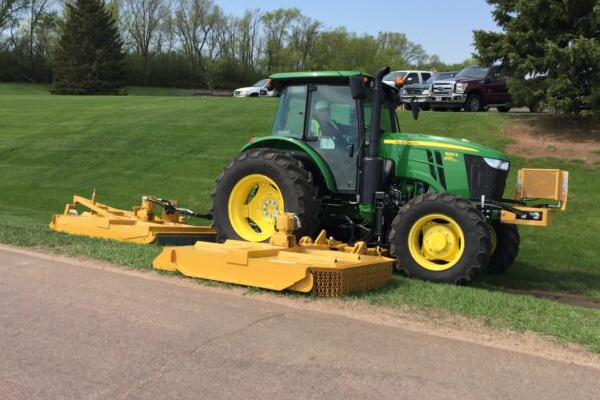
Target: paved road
{"type": "Point", "coordinates": [78, 330]}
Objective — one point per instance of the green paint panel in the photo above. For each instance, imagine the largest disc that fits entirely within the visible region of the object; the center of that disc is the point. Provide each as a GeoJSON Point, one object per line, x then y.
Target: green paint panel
{"type": "Point", "coordinates": [434, 160]}
{"type": "Point", "coordinates": [291, 144]}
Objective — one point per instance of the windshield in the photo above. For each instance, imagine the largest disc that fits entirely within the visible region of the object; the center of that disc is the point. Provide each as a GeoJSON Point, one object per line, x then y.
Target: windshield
{"type": "Point", "coordinates": [473, 72]}
{"type": "Point", "coordinates": [440, 76]}
{"type": "Point", "coordinates": [393, 75]}
{"type": "Point", "coordinates": [260, 83]}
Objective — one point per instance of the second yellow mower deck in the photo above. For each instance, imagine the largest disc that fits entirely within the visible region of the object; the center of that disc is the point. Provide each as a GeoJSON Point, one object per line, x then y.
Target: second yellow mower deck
{"type": "Point", "coordinates": [141, 225]}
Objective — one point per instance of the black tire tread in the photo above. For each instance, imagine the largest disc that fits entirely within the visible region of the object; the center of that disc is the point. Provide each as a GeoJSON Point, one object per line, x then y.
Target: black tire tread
{"type": "Point", "coordinates": [508, 241]}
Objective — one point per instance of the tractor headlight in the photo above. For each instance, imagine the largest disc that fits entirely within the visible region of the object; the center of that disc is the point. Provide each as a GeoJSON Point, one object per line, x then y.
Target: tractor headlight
{"type": "Point", "coordinates": [497, 164]}
{"type": "Point", "coordinates": [425, 91]}
{"type": "Point", "coordinates": [461, 87]}
{"type": "Point", "coordinates": [403, 92]}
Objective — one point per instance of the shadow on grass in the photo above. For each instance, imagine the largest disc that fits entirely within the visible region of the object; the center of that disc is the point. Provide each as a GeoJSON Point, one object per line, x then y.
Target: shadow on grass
{"type": "Point", "coordinates": [526, 277]}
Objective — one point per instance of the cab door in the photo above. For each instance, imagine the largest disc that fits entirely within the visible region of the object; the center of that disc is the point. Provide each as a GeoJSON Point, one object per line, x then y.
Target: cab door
{"type": "Point", "coordinates": [338, 144]}
{"type": "Point", "coordinates": [496, 87]}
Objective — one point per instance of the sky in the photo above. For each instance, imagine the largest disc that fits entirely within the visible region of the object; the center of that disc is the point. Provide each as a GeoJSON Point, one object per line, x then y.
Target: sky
{"type": "Point", "coordinates": [442, 27]}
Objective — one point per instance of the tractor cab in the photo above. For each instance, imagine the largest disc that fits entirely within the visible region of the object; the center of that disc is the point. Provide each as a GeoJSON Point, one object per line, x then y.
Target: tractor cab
{"type": "Point", "coordinates": [331, 113]}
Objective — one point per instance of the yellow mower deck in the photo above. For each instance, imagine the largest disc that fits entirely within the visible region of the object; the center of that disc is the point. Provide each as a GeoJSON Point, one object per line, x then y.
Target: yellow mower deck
{"type": "Point", "coordinates": [325, 267]}
{"type": "Point", "coordinates": [141, 225]}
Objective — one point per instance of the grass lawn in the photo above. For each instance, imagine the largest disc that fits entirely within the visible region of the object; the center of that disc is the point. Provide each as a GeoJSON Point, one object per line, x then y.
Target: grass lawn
{"type": "Point", "coordinates": [52, 147]}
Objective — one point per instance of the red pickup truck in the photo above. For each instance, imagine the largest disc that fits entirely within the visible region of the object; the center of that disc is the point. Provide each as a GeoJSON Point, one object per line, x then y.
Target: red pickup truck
{"type": "Point", "coordinates": [474, 88]}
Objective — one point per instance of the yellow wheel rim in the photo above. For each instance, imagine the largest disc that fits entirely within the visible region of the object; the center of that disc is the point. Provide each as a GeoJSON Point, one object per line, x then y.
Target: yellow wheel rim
{"type": "Point", "coordinates": [253, 204]}
{"type": "Point", "coordinates": [436, 242]}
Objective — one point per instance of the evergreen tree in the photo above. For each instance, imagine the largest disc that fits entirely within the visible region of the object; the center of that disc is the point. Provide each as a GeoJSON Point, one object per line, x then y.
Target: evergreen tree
{"type": "Point", "coordinates": [89, 58]}
{"type": "Point", "coordinates": [552, 48]}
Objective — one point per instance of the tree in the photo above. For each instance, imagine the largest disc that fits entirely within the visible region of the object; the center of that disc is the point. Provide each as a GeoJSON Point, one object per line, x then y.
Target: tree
{"type": "Point", "coordinates": [194, 22]}
{"type": "Point", "coordinates": [8, 10]}
{"type": "Point", "coordinates": [303, 42]}
{"type": "Point", "coordinates": [142, 21]}
{"type": "Point", "coordinates": [38, 15]}
{"type": "Point", "coordinates": [340, 50]}
{"type": "Point", "coordinates": [89, 57]}
{"type": "Point", "coordinates": [248, 38]}
{"type": "Point", "coordinates": [552, 49]}
{"type": "Point", "coordinates": [398, 52]}
{"type": "Point", "coordinates": [275, 25]}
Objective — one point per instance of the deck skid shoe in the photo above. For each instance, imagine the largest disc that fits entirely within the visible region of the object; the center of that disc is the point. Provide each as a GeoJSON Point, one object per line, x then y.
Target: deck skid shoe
{"type": "Point", "coordinates": [141, 225]}
{"type": "Point", "coordinates": [324, 267]}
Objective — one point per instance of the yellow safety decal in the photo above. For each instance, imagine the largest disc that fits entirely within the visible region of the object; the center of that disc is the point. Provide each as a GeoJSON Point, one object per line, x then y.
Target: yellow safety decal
{"type": "Point", "coordinates": [428, 144]}
{"type": "Point", "coordinates": [449, 156]}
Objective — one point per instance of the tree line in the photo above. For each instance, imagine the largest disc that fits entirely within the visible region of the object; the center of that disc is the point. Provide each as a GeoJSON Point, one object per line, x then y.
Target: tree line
{"type": "Point", "coordinates": [194, 43]}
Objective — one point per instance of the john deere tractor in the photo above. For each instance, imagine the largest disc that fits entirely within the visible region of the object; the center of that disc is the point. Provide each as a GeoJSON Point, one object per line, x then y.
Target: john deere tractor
{"type": "Point", "coordinates": [337, 160]}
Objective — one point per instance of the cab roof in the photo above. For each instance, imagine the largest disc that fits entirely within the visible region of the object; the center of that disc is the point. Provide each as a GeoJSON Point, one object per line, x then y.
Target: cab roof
{"type": "Point", "coordinates": [315, 76]}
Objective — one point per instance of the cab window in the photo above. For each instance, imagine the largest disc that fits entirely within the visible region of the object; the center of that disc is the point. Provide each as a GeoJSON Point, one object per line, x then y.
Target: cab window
{"type": "Point", "coordinates": [411, 79]}
{"type": "Point", "coordinates": [289, 120]}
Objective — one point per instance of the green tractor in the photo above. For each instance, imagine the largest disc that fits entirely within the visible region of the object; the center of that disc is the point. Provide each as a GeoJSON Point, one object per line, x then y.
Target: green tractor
{"type": "Point", "coordinates": [336, 159]}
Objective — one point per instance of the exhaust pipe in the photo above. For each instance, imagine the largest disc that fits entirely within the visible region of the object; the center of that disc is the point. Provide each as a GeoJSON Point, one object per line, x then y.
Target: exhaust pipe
{"type": "Point", "coordinates": [372, 165]}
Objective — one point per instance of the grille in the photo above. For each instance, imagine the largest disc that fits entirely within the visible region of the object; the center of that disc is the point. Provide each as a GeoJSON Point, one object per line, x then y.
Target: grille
{"type": "Point", "coordinates": [483, 179]}
{"type": "Point", "coordinates": [441, 89]}
{"type": "Point", "coordinates": [182, 239]}
{"type": "Point", "coordinates": [414, 90]}
{"type": "Point", "coordinates": [335, 283]}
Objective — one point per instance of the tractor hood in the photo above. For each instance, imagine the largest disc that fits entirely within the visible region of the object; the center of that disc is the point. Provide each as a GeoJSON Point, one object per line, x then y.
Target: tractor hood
{"type": "Point", "coordinates": [448, 165]}
{"type": "Point", "coordinates": [443, 143]}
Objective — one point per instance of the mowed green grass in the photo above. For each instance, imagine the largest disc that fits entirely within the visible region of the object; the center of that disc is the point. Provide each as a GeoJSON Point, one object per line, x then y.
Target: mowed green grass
{"type": "Point", "coordinates": [52, 147]}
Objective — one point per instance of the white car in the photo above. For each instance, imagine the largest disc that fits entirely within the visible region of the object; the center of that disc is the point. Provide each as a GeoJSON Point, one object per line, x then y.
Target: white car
{"type": "Point", "coordinates": [410, 77]}
{"type": "Point", "coordinates": [259, 89]}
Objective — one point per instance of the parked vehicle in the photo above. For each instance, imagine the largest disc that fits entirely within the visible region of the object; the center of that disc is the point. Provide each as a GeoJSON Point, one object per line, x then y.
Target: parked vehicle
{"type": "Point", "coordinates": [259, 89]}
{"type": "Point", "coordinates": [474, 88]}
{"type": "Point", "coordinates": [420, 92]}
{"type": "Point", "coordinates": [409, 77]}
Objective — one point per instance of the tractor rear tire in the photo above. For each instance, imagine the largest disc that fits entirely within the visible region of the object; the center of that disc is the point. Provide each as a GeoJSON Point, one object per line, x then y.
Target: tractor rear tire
{"type": "Point", "coordinates": [255, 186]}
{"type": "Point", "coordinates": [440, 237]}
{"type": "Point", "coordinates": [506, 249]}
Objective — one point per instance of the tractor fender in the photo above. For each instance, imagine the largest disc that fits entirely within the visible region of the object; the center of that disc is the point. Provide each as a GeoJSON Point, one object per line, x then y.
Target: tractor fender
{"type": "Point", "coordinates": [298, 149]}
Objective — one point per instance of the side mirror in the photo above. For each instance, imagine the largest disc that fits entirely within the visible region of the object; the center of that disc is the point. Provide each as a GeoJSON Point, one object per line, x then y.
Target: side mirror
{"type": "Point", "coordinates": [399, 82]}
{"type": "Point", "coordinates": [414, 106]}
{"type": "Point", "coordinates": [270, 86]}
{"type": "Point", "coordinates": [357, 87]}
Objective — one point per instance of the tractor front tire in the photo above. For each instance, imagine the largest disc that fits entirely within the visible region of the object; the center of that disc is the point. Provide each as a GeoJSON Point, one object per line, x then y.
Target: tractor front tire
{"type": "Point", "coordinates": [440, 237]}
{"type": "Point", "coordinates": [506, 241]}
{"type": "Point", "coordinates": [257, 185]}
